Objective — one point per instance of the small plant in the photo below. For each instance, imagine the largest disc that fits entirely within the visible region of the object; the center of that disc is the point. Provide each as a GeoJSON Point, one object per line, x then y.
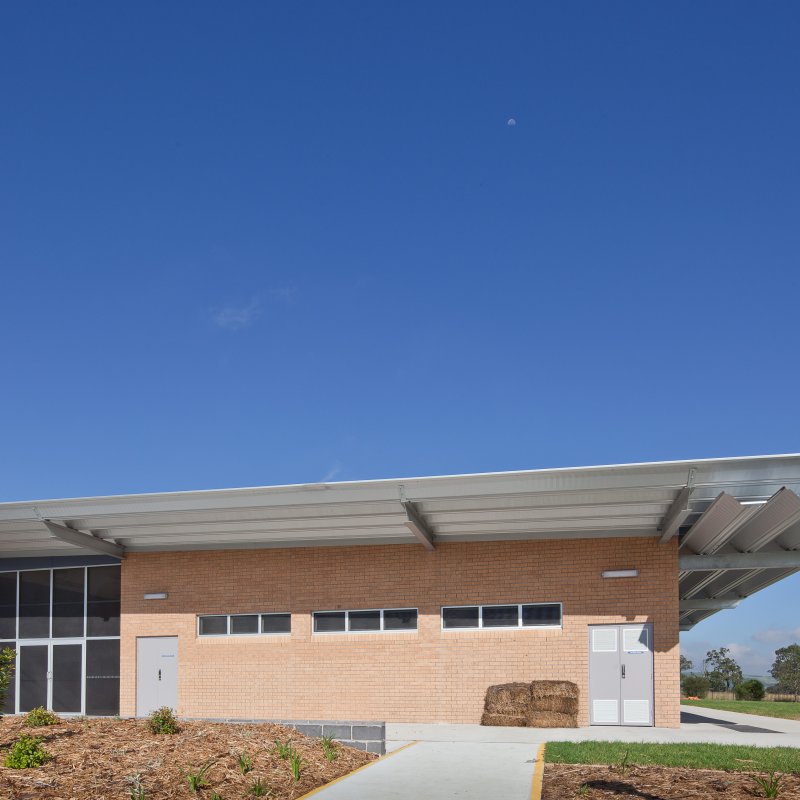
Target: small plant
{"type": "Point", "coordinates": [258, 788]}
{"type": "Point", "coordinates": [197, 779]}
{"type": "Point", "coordinates": [245, 763]}
{"type": "Point", "coordinates": [623, 765]}
{"type": "Point", "coordinates": [770, 785]}
{"type": "Point", "coordinates": [582, 790]}
{"type": "Point", "coordinates": [137, 790]}
{"type": "Point", "coordinates": [295, 763]}
{"type": "Point", "coordinates": [162, 720]}
{"type": "Point", "coordinates": [39, 717]}
{"type": "Point", "coordinates": [215, 796]}
{"type": "Point", "coordinates": [27, 752]}
{"type": "Point", "coordinates": [284, 749]}
{"type": "Point", "coordinates": [750, 690]}
{"type": "Point", "coordinates": [329, 748]}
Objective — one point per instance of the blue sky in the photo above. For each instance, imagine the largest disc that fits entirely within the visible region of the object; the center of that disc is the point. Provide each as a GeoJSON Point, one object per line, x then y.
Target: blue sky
{"type": "Point", "coordinates": [270, 243]}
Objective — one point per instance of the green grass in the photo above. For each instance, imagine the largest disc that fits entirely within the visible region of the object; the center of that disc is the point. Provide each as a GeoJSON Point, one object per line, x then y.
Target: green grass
{"type": "Point", "coordinates": [764, 708]}
{"type": "Point", "coordinates": [698, 756]}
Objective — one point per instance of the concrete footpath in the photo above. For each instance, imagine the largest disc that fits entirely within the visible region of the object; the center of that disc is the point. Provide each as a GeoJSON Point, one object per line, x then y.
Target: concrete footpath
{"type": "Point", "coordinates": [470, 762]}
{"type": "Point", "coordinates": [443, 771]}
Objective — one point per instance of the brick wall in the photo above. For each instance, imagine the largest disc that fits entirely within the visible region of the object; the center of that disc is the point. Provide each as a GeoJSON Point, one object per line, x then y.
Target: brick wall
{"type": "Point", "coordinates": [428, 676]}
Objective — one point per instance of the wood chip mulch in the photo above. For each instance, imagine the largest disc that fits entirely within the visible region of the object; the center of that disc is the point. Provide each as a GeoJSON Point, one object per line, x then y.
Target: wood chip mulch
{"type": "Point", "coordinates": [564, 782]}
{"type": "Point", "coordinates": [100, 759]}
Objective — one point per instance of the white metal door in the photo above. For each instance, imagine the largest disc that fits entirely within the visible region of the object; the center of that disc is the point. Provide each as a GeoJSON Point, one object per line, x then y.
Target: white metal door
{"type": "Point", "coordinates": [156, 673]}
{"type": "Point", "coordinates": [621, 674]}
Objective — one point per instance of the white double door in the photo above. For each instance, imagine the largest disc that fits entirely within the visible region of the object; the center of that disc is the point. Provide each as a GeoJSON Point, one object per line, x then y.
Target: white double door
{"type": "Point", "coordinates": [50, 674]}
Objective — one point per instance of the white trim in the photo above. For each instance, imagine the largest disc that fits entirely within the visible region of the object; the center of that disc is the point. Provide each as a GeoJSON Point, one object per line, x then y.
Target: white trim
{"type": "Point", "coordinates": [229, 632]}
{"type": "Point", "coordinates": [518, 627]}
{"type": "Point", "coordinates": [347, 612]}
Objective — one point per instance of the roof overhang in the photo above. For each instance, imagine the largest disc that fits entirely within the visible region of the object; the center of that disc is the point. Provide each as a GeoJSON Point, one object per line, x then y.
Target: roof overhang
{"type": "Point", "coordinates": [712, 505]}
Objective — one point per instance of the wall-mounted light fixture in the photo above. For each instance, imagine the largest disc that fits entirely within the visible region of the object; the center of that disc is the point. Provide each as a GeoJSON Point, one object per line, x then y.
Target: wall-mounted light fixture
{"type": "Point", "coordinates": [155, 596]}
{"type": "Point", "coordinates": [621, 573]}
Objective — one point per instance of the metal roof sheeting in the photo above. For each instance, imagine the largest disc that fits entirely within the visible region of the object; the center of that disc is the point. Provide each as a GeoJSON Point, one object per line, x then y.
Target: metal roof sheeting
{"type": "Point", "coordinates": [728, 498]}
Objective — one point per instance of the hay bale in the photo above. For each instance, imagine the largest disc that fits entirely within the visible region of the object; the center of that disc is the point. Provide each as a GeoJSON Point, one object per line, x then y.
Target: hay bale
{"type": "Point", "coordinates": [554, 689]}
{"type": "Point", "coordinates": [551, 719]}
{"type": "Point", "coordinates": [502, 720]}
{"type": "Point", "coordinates": [511, 699]}
{"type": "Point", "coordinates": [561, 705]}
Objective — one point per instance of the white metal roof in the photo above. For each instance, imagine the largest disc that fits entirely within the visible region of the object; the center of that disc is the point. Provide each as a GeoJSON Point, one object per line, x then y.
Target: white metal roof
{"type": "Point", "coordinates": [582, 502]}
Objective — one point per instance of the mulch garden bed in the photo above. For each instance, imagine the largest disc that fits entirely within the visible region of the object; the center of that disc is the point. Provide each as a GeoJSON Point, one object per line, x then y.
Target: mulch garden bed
{"type": "Point", "coordinates": [564, 782]}
{"type": "Point", "coordinates": [98, 759]}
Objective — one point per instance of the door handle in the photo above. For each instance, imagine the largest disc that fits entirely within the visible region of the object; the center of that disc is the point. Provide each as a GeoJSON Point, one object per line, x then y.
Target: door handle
{"type": "Point", "coordinates": [623, 671]}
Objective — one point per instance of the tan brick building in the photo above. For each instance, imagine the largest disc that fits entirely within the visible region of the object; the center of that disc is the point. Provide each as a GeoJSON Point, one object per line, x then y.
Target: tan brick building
{"type": "Point", "coordinates": [397, 601]}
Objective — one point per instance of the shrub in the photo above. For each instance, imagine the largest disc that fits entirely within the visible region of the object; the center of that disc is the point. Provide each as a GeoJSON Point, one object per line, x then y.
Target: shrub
{"type": "Point", "coordinates": [8, 660]}
{"type": "Point", "coordinates": [750, 690]}
{"type": "Point", "coordinates": [329, 748]}
{"type": "Point", "coordinates": [197, 779]}
{"type": "Point", "coordinates": [695, 686]}
{"type": "Point", "coordinates": [162, 720]}
{"type": "Point", "coordinates": [284, 749]}
{"type": "Point", "coordinates": [245, 763]}
{"type": "Point", "coordinates": [39, 717]}
{"type": "Point", "coordinates": [295, 762]}
{"type": "Point", "coordinates": [27, 752]}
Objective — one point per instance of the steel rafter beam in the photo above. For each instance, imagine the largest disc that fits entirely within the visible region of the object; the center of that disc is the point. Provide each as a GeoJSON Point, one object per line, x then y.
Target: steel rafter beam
{"type": "Point", "coordinates": [87, 541]}
{"type": "Point", "coordinates": [779, 559]}
{"type": "Point", "coordinates": [709, 603]}
{"type": "Point", "coordinates": [417, 525]}
{"type": "Point", "coordinates": [677, 512]}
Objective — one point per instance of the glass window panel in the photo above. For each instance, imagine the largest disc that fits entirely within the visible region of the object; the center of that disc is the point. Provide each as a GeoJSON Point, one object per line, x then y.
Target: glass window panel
{"type": "Point", "coordinates": [460, 617]}
{"type": "Point", "coordinates": [102, 619]}
{"type": "Point", "coordinates": [500, 616]}
{"type": "Point", "coordinates": [34, 604]}
{"type": "Point", "coordinates": [8, 605]}
{"type": "Point", "coordinates": [400, 619]}
{"type": "Point", "coordinates": [365, 620]}
{"type": "Point", "coordinates": [68, 610]}
{"type": "Point", "coordinates": [32, 661]}
{"type": "Point", "coordinates": [102, 610]}
{"type": "Point", "coordinates": [102, 677]}
{"type": "Point", "coordinates": [541, 614]}
{"type": "Point", "coordinates": [328, 621]}
{"type": "Point", "coordinates": [11, 696]}
{"type": "Point", "coordinates": [67, 677]}
{"type": "Point", "coordinates": [276, 623]}
{"type": "Point", "coordinates": [104, 584]}
{"type": "Point", "coordinates": [213, 625]}
{"type": "Point", "coordinates": [244, 623]}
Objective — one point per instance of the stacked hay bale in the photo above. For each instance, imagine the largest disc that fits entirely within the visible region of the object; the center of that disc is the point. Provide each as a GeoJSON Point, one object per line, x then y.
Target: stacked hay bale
{"type": "Point", "coordinates": [507, 705]}
{"type": "Point", "coordinates": [540, 704]}
{"type": "Point", "coordinates": [554, 704]}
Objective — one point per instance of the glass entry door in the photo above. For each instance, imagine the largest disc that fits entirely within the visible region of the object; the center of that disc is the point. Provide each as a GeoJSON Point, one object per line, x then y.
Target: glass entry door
{"type": "Point", "coordinates": [51, 675]}
{"type": "Point", "coordinates": [32, 673]}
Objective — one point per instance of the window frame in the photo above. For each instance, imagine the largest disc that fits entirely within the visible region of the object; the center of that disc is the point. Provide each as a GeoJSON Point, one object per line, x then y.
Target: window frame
{"type": "Point", "coordinates": [348, 632]}
{"type": "Point", "coordinates": [518, 627]}
{"type": "Point", "coordinates": [229, 634]}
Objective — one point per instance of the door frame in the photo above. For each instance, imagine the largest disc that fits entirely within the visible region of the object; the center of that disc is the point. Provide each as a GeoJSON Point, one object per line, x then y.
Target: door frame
{"type": "Point", "coordinates": [50, 644]}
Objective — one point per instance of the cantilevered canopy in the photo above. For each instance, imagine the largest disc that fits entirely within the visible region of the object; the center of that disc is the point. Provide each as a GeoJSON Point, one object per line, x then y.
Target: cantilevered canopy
{"type": "Point", "coordinates": [715, 507]}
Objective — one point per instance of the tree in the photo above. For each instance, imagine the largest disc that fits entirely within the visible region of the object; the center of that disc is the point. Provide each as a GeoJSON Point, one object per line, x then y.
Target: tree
{"type": "Point", "coordinates": [686, 664]}
{"type": "Point", "coordinates": [750, 690]}
{"type": "Point", "coordinates": [695, 686]}
{"type": "Point", "coordinates": [723, 672]}
{"type": "Point", "coordinates": [786, 669]}
{"type": "Point", "coordinates": [8, 659]}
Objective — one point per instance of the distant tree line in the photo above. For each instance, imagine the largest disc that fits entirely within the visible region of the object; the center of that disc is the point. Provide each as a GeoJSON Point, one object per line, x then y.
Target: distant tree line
{"type": "Point", "coordinates": [721, 673]}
